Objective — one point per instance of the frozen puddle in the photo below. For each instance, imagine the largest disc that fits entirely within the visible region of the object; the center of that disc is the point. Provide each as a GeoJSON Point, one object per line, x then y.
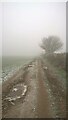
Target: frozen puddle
{"type": "Point", "coordinates": [17, 92]}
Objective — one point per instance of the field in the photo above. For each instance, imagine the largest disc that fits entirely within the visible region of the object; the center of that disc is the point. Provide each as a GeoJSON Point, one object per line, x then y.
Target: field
{"type": "Point", "coordinates": [11, 64]}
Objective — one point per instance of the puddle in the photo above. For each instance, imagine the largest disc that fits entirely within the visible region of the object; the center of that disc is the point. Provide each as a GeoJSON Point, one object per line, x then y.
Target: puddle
{"type": "Point", "coordinates": [45, 68]}
{"type": "Point", "coordinates": [17, 92]}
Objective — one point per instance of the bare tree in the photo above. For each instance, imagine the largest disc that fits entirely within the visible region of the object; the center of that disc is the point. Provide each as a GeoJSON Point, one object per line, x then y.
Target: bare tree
{"type": "Point", "coordinates": [51, 44]}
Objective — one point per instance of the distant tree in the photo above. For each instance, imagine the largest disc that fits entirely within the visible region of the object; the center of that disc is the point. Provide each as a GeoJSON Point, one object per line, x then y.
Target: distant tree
{"type": "Point", "coordinates": [51, 44]}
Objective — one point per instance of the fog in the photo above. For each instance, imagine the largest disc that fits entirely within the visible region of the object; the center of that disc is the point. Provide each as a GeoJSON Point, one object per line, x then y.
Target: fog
{"type": "Point", "coordinates": [25, 24]}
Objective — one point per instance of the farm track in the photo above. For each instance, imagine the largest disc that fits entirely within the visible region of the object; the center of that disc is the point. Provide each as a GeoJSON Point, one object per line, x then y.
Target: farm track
{"type": "Point", "coordinates": [39, 100]}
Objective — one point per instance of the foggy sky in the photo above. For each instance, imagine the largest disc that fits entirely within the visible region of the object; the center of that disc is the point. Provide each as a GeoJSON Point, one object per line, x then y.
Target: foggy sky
{"type": "Point", "coordinates": [25, 24]}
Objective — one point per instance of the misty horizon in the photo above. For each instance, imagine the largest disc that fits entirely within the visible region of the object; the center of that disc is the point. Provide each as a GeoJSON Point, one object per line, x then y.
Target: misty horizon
{"type": "Point", "coordinates": [25, 24]}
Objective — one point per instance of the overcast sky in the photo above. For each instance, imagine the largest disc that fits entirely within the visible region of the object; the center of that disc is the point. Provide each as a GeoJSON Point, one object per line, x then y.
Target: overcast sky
{"type": "Point", "coordinates": [25, 24]}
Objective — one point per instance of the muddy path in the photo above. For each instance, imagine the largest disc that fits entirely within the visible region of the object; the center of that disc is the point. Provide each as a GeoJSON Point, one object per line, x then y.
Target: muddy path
{"type": "Point", "coordinates": [43, 106]}
{"type": "Point", "coordinates": [30, 97]}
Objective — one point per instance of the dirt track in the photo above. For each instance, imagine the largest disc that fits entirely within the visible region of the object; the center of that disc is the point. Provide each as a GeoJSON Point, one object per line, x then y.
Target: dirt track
{"type": "Point", "coordinates": [37, 101]}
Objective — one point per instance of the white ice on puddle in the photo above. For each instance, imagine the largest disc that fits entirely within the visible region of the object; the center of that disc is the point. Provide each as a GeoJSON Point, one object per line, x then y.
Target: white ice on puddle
{"type": "Point", "coordinates": [45, 68]}
{"type": "Point", "coordinates": [34, 109]}
{"type": "Point", "coordinates": [10, 99]}
{"type": "Point", "coordinates": [18, 97]}
{"type": "Point", "coordinates": [25, 89]}
{"type": "Point", "coordinates": [15, 89]}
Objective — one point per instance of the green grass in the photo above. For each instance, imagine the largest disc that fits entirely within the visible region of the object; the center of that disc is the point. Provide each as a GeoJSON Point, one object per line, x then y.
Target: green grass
{"type": "Point", "coordinates": [59, 72]}
{"type": "Point", "coordinates": [14, 61]}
